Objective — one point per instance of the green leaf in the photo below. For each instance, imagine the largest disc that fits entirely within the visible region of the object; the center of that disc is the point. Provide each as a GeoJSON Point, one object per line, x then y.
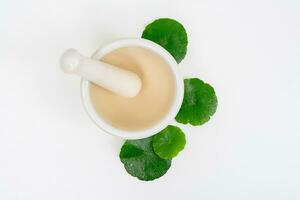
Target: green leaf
{"type": "Point", "coordinates": [140, 160]}
{"type": "Point", "coordinates": [169, 142]}
{"type": "Point", "coordinates": [169, 34]}
{"type": "Point", "coordinates": [199, 102]}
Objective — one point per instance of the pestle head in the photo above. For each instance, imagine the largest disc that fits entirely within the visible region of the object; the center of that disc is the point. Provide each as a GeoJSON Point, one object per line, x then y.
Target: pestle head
{"type": "Point", "coordinates": [70, 61]}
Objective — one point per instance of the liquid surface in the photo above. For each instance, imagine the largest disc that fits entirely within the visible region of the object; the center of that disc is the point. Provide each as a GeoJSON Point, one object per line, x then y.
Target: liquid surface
{"type": "Point", "coordinates": [150, 105]}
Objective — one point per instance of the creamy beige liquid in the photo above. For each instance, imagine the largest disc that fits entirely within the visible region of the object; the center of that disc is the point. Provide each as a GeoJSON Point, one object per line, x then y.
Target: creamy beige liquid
{"type": "Point", "coordinates": [154, 99]}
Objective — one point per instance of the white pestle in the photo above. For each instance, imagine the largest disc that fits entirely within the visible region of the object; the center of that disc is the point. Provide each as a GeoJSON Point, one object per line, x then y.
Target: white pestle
{"type": "Point", "coordinates": [110, 77]}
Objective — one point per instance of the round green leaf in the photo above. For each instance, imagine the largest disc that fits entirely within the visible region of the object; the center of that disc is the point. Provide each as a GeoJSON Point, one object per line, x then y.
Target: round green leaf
{"type": "Point", "coordinates": [140, 160]}
{"type": "Point", "coordinates": [169, 142]}
{"type": "Point", "coordinates": [199, 102]}
{"type": "Point", "coordinates": [169, 34]}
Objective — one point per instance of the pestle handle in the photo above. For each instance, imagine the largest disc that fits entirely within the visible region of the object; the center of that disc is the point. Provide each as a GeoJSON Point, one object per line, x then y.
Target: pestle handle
{"type": "Point", "coordinates": [110, 77]}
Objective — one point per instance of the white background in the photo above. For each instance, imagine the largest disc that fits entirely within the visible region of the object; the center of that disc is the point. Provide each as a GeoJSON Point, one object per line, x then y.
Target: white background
{"type": "Point", "coordinates": [248, 50]}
